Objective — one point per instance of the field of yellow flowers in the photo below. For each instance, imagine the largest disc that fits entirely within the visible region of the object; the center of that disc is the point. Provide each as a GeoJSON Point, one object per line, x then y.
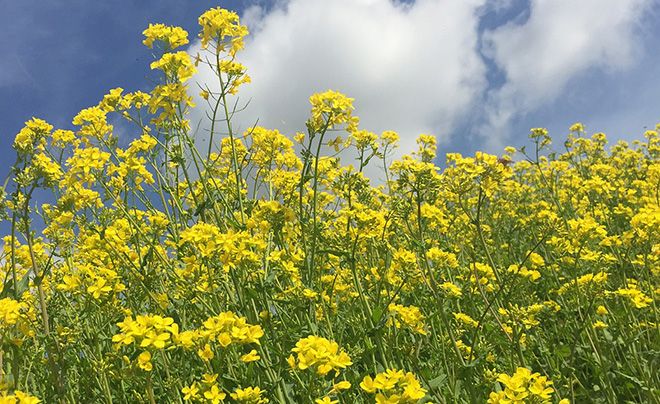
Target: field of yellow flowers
{"type": "Point", "coordinates": [262, 269]}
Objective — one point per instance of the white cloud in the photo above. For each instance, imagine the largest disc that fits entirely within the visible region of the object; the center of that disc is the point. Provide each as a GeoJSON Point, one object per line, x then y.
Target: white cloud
{"type": "Point", "coordinates": [413, 68]}
{"type": "Point", "coordinates": [561, 39]}
{"type": "Point", "coordinates": [417, 68]}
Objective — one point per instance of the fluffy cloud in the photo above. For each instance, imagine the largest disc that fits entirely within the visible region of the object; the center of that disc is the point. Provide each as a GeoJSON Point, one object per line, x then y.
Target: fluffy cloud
{"type": "Point", "coordinates": [420, 67]}
{"type": "Point", "coordinates": [560, 40]}
{"type": "Point", "coordinates": [412, 68]}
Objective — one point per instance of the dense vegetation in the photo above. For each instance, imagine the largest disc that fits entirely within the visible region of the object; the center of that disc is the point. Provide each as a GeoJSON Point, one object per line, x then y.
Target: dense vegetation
{"type": "Point", "coordinates": [258, 268]}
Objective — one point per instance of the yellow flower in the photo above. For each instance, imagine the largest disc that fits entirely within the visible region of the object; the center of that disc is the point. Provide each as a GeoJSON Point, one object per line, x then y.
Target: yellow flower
{"type": "Point", "coordinates": [169, 98]}
{"type": "Point", "coordinates": [99, 288]}
{"type": "Point", "coordinates": [330, 109]}
{"type": "Point", "coordinates": [62, 138]}
{"type": "Point", "coordinates": [410, 316]}
{"type": "Point", "coordinates": [520, 385]}
{"type": "Point", "coordinates": [394, 386]}
{"type": "Point", "coordinates": [540, 388]}
{"type": "Point", "coordinates": [364, 139]}
{"type": "Point", "coordinates": [236, 73]}
{"type": "Point", "coordinates": [24, 398]}
{"type": "Point", "coordinates": [209, 379]}
{"type": "Point", "coordinates": [175, 65]}
{"type": "Point", "coordinates": [214, 394]}
{"type": "Point", "coordinates": [577, 127]}
{"type": "Point", "coordinates": [466, 320]}
{"type": "Point", "coordinates": [32, 134]}
{"type": "Point", "coordinates": [222, 25]}
{"type": "Point", "coordinates": [451, 289]}
{"type": "Point", "coordinates": [93, 122]}
{"type": "Point", "coordinates": [172, 37]}
{"type": "Point", "coordinates": [158, 340]}
{"type": "Point", "coordinates": [144, 361]}
{"type": "Point", "coordinates": [186, 339]}
{"type": "Point", "coordinates": [228, 328]}
{"type": "Point", "coordinates": [588, 280]}
{"type": "Point", "coordinates": [149, 330]}
{"type": "Point", "coordinates": [10, 311]}
{"type": "Point", "coordinates": [599, 325]}
{"type": "Point", "coordinates": [47, 169]}
{"type": "Point", "coordinates": [638, 299]}
{"type": "Point", "coordinates": [342, 385]}
{"type": "Point", "coordinates": [389, 138]}
{"type": "Point", "coordinates": [249, 395]}
{"type": "Point", "coordinates": [325, 400]}
{"type": "Point", "coordinates": [112, 100]}
{"type": "Point", "coordinates": [320, 354]}
{"type": "Point", "coordinates": [206, 353]}
{"type": "Point", "coordinates": [190, 392]}
{"type": "Point", "coordinates": [251, 356]}
{"type": "Point", "coordinates": [427, 147]}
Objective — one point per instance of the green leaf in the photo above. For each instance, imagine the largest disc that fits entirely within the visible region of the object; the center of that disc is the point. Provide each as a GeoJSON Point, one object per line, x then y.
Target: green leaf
{"type": "Point", "coordinates": [376, 315]}
{"type": "Point", "coordinates": [21, 286]}
{"type": "Point", "coordinates": [438, 381]}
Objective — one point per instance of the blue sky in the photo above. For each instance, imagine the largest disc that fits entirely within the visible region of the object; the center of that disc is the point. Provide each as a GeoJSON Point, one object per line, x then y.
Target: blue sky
{"type": "Point", "coordinates": [61, 56]}
{"type": "Point", "coordinates": [477, 73]}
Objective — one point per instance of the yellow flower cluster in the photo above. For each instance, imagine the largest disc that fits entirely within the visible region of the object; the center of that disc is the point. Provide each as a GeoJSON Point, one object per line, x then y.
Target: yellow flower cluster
{"type": "Point", "coordinates": [93, 122]}
{"type": "Point", "coordinates": [132, 164]}
{"type": "Point", "coordinates": [272, 149]}
{"type": "Point", "coordinates": [222, 25]}
{"type": "Point", "coordinates": [394, 387]}
{"type": "Point", "coordinates": [18, 397]}
{"type": "Point", "coordinates": [171, 254]}
{"type": "Point", "coordinates": [636, 296]}
{"type": "Point", "coordinates": [330, 109]}
{"type": "Point", "coordinates": [46, 168]}
{"type": "Point", "coordinates": [524, 272]}
{"type": "Point", "coordinates": [249, 395]}
{"type": "Point", "coordinates": [62, 138]}
{"type": "Point", "coordinates": [176, 66]}
{"type": "Point", "coordinates": [172, 37]}
{"type": "Point", "coordinates": [584, 281]}
{"type": "Point", "coordinates": [427, 147]}
{"type": "Point", "coordinates": [206, 390]}
{"type": "Point", "coordinates": [85, 164]}
{"type": "Point", "coordinates": [451, 289]}
{"type": "Point", "coordinates": [146, 331]}
{"type": "Point", "coordinates": [16, 319]}
{"type": "Point", "coordinates": [10, 311]}
{"type": "Point", "coordinates": [364, 139]}
{"type": "Point", "coordinates": [522, 387]}
{"type": "Point", "coordinates": [320, 355]}
{"type": "Point", "coordinates": [236, 75]}
{"type": "Point", "coordinates": [230, 249]}
{"type": "Point", "coordinates": [227, 328]}
{"type": "Point", "coordinates": [465, 320]}
{"type": "Point", "coordinates": [408, 316]}
{"type": "Point", "coordinates": [32, 135]}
